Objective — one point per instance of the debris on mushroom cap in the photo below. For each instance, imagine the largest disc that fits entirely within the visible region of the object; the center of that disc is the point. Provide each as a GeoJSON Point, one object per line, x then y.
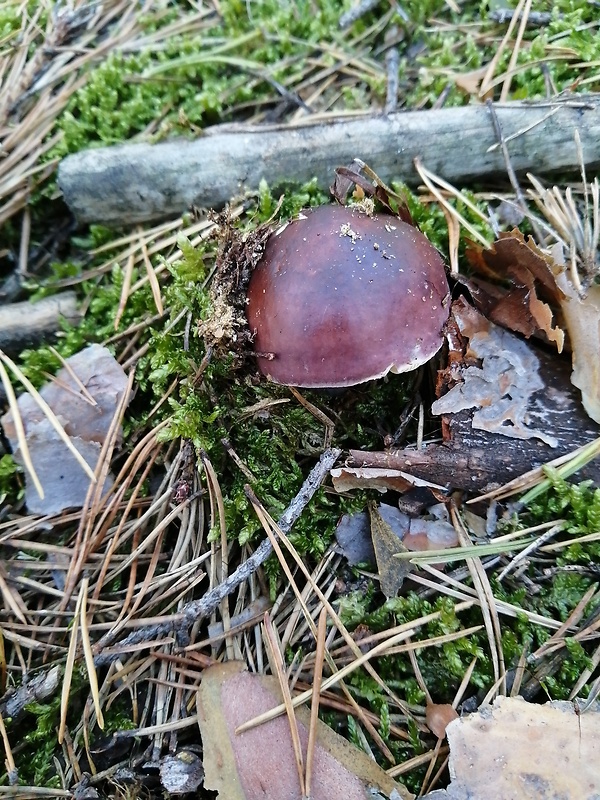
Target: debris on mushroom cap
{"type": "Point", "coordinates": [340, 297]}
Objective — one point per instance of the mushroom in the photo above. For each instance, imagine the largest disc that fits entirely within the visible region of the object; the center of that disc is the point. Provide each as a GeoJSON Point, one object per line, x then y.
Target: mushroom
{"type": "Point", "coordinates": [340, 297]}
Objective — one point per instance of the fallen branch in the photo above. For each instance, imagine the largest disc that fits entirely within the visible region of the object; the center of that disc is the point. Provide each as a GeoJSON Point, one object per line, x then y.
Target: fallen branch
{"type": "Point", "coordinates": [198, 609]}
{"type": "Point", "coordinates": [478, 460]}
{"type": "Point", "coordinates": [140, 182]}
{"type": "Point", "coordinates": [27, 324]}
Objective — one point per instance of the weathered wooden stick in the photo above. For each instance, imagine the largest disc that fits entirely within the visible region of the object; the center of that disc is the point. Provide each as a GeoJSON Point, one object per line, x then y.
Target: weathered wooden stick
{"type": "Point", "coordinates": [27, 324]}
{"type": "Point", "coordinates": [140, 182]}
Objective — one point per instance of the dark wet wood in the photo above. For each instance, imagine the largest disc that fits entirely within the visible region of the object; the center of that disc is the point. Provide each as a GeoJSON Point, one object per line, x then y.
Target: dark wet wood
{"type": "Point", "coordinates": [475, 460]}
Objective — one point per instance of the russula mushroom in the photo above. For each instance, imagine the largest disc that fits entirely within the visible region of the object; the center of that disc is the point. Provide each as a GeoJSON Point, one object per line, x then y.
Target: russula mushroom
{"type": "Point", "coordinates": [340, 297]}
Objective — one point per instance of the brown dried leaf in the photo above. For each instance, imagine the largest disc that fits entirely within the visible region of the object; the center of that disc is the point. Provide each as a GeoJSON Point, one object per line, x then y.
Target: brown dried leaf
{"type": "Point", "coordinates": [470, 82]}
{"type": "Point", "coordinates": [346, 478]}
{"type": "Point", "coordinates": [512, 251]}
{"type": "Point", "coordinates": [438, 716]}
{"type": "Point", "coordinates": [392, 571]}
{"type": "Point", "coordinates": [521, 310]}
{"type": "Point", "coordinates": [372, 186]}
{"type": "Point", "coordinates": [532, 272]}
{"type": "Point", "coordinates": [259, 764]}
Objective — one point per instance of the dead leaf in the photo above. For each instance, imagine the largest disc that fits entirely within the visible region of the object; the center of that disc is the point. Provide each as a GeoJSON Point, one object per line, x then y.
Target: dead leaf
{"type": "Point", "coordinates": [386, 542]}
{"type": "Point", "coordinates": [430, 534]}
{"type": "Point", "coordinates": [470, 82]}
{"type": "Point", "coordinates": [360, 174]}
{"type": "Point", "coordinates": [345, 478]}
{"type": "Point", "coordinates": [84, 396]}
{"type": "Point", "coordinates": [259, 764]}
{"type": "Point", "coordinates": [519, 749]}
{"type": "Point", "coordinates": [524, 308]}
{"type": "Point", "coordinates": [582, 318]}
{"type": "Point", "coordinates": [438, 716]}
{"type": "Point", "coordinates": [512, 250]}
{"type": "Point", "coordinates": [359, 540]}
{"type": "Point", "coordinates": [521, 310]}
{"type": "Point", "coordinates": [382, 479]}
{"type": "Point", "coordinates": [501, 387]}
{"type": "Point", "coordinates": [354, 538]}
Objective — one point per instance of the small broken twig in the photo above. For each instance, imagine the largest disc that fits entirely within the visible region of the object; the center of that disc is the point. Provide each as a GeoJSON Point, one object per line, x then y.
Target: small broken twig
{"type": "Point", "coordinates": [198, 609]}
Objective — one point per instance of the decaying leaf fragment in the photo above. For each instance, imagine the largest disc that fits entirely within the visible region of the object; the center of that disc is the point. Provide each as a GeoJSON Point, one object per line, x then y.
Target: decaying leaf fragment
{"type": "Point", "coordinates": [525, 307]}
{"type": "Point", "coordinates": [392, 571]}
{"type": "Point", "coordinates": [581, 311]}
{"type": "Point", "coordinates": [499, 383]}
{"type": "Point", "coordinates": [516, 749]}
{"type": "Point", "coordinates": [84, 396]}
{"type": "Point", "coordinates": [345, 479]}
{"type": "Point", "coordinates": [438, 716]}
{"type": "Point", "coordinates": [543, 282]}
{"type": "Point", "coordinates": [259, 764]}
{"type": "Point", "coordinates": [386, 531]}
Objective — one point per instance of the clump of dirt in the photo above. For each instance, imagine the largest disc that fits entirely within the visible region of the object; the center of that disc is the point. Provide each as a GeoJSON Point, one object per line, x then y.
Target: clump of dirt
{"type": "Point", "coordinates": [225, 329]}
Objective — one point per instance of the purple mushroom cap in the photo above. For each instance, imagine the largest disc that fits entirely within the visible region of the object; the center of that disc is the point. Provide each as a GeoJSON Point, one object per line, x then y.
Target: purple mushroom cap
{"type": "Point", "coordinates": [341, 297]}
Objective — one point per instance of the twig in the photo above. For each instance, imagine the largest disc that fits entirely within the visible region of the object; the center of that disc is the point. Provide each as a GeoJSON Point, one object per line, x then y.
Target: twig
{"type": "Point", "coordinates": [535, 19]}
{"type": "Point", "coordinates": [514, 182]}
{"type": "Point", "coordinates": [198, 609]}
{"type": "Point", "coordinates": [392, 62]}
{"type": "Point", "coordinates": [502, 144]}
{"type": "Point", "coordinates": [542, 539]}
{"type": "Point", "coordinates": [137, 182]}
{"type": "Point", "coordinates": [26, 324]}
{"type": "Point", "coordinates": [349, 17]}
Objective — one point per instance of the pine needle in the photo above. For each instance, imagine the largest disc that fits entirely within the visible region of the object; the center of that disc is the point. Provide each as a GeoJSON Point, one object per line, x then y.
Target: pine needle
{"type": "Point", "coordinates": [279, 669]}
{"type": "Point", "coordinates": [314, 704]}
{"type": "Point", "coordinates": [432, 182]}
{"type": "Point", "coordinates": [20, 429]}
{"type": "Point", "coordinates": [88, 654]}
{"type": "Point", "coordinates": [69, 666]}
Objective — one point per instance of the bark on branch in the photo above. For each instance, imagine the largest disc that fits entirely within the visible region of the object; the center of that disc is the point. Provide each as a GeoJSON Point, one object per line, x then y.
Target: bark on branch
{"type": "Point", "coordinates": [26, 324]}
{"type": "Point", "coordinates": [133, 183]}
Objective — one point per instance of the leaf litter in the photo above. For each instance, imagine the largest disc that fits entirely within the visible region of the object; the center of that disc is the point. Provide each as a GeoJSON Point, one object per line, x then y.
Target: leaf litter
{"type": "Point", "coordinates": [156, 544]}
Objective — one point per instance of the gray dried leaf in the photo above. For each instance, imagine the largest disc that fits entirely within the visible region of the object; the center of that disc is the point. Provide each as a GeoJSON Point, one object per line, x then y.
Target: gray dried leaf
{"type": "Point", "coordinates": [501, 388]}
{"type": "Point", "coordinates": [86, 420]}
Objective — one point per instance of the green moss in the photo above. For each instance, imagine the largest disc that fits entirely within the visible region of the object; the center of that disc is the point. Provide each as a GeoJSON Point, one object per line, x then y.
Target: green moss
{"type": "Point", "coordinates": [37, 743]}
{"type": "Point", "coordinates": [11, 482]}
